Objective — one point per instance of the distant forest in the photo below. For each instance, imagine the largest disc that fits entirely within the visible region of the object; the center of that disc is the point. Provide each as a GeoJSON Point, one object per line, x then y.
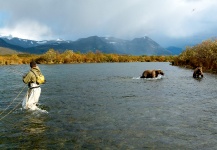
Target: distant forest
{"type": "Point", "coordinates": [54, 57]}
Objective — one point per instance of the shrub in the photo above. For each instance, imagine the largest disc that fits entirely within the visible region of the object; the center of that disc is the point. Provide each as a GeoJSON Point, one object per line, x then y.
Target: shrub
{"type": "Point", "coordinates": [203, 54]}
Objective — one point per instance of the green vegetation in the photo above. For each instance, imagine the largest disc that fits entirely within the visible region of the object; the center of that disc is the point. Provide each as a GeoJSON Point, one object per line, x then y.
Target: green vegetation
{"type": "Point", "coordinates": [67, 57]}
{"type": "Point", "coordinates": [204, 55]}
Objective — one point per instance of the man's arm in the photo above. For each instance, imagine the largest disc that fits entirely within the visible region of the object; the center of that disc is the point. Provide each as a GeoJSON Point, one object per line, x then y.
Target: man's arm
{"type": "Point", "coordinates": [27, 78]}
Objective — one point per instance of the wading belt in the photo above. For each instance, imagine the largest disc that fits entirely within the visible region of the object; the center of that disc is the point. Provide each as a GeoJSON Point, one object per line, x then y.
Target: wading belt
{"type": "Point", "coordinates": [34, 87]}
{"type": "Point", "coordinates": [30, 87]}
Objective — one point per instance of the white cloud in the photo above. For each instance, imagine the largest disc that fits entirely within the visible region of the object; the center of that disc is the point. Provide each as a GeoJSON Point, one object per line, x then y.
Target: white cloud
{"type": "Point", "coordinates": [73, 19]}
{"type": "Point", "coordinates": [27, 29]}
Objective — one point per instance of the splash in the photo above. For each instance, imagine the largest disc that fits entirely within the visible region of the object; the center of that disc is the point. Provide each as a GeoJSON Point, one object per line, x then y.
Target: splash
{"type": "Point", "coordinates": [136, 78]}
{"type": "Point", "coordinates": [157, 78]}
{"type": "Point", "coordinates": [37, 109]}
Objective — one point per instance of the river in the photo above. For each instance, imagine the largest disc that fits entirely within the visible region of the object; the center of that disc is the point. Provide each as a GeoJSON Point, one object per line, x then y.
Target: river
{"type": "Point", "coordinates": [107, 106]}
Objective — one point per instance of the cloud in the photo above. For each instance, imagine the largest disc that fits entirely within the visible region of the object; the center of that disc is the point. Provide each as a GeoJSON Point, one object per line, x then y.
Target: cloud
{"type": "Point", "coordinates": [175, 20]}
{"type": "Point", "coordinates": [27, 29]}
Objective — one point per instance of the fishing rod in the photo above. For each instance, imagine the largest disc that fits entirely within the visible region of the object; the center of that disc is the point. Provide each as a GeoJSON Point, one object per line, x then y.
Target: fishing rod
{"type": "Point", "coordinates": [15, 71]}
{"type": "Point", "coordinates": [19, 73]}
{"type": "Point", "coordinates": [12, 103]}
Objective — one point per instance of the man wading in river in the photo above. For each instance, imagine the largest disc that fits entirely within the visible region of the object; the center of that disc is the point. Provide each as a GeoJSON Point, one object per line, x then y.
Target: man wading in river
{"type": "Point", "coordinates": [34, 91]}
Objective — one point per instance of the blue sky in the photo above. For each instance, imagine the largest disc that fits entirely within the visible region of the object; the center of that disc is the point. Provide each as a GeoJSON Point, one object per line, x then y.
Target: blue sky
{"type": "Point", "coordinates": [3, 17]}
{"type": "Point", "coordinates": [168, 22]}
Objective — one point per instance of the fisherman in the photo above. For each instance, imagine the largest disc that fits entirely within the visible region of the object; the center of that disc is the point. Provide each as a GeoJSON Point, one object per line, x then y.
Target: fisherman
{"type": "Point", "coordinates": [34, 91]}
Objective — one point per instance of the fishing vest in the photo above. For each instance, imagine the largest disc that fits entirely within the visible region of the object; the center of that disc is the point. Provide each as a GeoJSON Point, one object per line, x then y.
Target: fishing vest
{"type": "Point", "coordinates": [40, 79]}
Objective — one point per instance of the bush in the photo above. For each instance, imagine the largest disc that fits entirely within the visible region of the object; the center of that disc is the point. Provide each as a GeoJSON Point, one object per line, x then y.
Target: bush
{"type": "Point", "coordinates": [204, 54]}
{"type": "Point", "coordinates": [54, 57]}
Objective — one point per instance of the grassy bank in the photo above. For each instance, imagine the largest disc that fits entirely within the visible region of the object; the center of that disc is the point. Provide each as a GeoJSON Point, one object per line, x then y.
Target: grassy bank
{"type": "Point", "coordinates": [67, 57]}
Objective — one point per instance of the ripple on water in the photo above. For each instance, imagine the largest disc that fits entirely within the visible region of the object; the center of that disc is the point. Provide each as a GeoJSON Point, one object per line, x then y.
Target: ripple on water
{"type": "Point", "coordinates": [99, 106]}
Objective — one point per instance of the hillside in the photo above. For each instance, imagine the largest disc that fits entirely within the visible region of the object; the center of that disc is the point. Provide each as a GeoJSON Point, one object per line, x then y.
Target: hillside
{"type": "Point", "coordinates": [5, 51]}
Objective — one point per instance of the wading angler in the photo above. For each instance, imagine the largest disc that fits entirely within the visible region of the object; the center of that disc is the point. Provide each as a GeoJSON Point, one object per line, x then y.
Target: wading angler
{"type": "Point", "coordinates": [33, 78]}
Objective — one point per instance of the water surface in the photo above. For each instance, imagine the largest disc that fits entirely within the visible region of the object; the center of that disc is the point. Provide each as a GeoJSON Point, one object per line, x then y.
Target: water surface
{"type": "Point", "coordinates": [107, 106]}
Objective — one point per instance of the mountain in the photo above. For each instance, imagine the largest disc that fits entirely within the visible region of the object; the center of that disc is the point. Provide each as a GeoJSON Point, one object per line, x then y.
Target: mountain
{"type": "Point", "coordinates": [146, 46]}
{"type": "Point", "coordinates": [4, 44]}
{"type": "Point", "coordinates": [175, 50]}
{"type": "Point", "coordinates": [25, 43]}
{"type": "Point", "coordinates": [83, 45]}
{"type": "Point", "coordinates": [137, 46]}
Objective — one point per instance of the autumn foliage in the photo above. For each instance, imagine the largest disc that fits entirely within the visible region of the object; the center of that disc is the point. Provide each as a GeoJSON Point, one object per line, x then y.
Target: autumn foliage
{"type": "Point", "coordinates": [204, 55]}
{"type": "Point", "coordinates": [54, 57]}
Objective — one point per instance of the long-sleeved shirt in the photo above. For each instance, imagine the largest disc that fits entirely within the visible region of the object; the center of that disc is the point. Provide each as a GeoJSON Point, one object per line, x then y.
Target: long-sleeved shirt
{"type": "Point", "coordinates": [30, 77]}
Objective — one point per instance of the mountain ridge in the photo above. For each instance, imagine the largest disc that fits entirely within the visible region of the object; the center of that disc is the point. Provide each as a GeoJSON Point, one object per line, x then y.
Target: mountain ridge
{"type": "Point", "coordinates": [137, 46]}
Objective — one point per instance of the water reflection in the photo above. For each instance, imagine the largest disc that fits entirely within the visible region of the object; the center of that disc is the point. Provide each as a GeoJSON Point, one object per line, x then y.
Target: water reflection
{"type": "Point", "coordinates": [35, 129]}
{"type": "Point", "coordinates": [35, 124]}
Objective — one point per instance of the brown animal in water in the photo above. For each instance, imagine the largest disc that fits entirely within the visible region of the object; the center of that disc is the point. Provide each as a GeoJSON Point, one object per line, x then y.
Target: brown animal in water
{"type": "Point", "coordinates": [198, 72]}
{"type": "Point", "coordinates": [151, 73]}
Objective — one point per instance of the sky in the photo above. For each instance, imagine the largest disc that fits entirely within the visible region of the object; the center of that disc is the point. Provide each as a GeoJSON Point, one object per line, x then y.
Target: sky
{"type": "Point", "coordinates": [177, 23]}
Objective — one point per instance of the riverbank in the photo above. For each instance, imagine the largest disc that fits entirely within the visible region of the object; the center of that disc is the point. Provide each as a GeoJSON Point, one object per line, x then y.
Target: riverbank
{"type": "Point", "coordinates": [69, 57]}
{"type": "Point", "coordinates": [204, 55]}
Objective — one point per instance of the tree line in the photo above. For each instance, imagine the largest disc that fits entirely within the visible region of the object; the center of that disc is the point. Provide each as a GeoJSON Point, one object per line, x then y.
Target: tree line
{"type": "Point", "coordinates": [54, 57]}
{"type": "Point", "coordinates": [203, 54]}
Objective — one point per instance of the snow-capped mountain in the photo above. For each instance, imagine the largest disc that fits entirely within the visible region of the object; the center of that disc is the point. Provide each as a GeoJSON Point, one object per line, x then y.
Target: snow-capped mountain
{"type": "Point", "coordinates": [137, 46]}
{"type": "Point", "coordinates": [25, 43]}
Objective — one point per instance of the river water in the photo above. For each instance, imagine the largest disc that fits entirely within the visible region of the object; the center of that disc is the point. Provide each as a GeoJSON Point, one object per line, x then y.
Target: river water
{"type": "Point", "coordinates": [107, 106]}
